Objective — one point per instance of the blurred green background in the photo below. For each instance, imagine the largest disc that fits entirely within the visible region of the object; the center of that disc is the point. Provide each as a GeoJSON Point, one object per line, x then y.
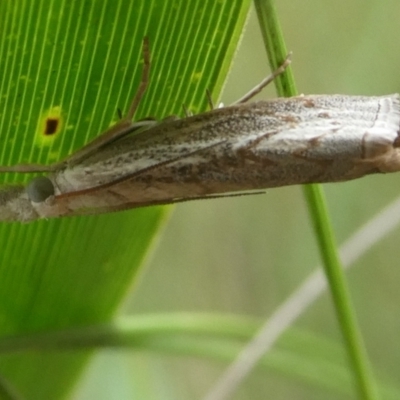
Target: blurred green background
{"type": "Point", "coordinates": [246, 255]}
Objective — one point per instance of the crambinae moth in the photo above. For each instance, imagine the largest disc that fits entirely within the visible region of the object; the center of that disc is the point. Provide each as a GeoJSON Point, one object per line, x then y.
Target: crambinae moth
{"type": "Point", "coordinates": [243, 147]}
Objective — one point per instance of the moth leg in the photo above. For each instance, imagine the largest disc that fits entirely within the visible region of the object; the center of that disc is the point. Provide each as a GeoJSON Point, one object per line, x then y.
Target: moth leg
{"type": "Point", "coordinates": [265, 82]}
{"type": "Point", "coordinates": [210, 100]}
{"type": "Point", "coordinates": [120, 129]}
{"type": "Point", "coordinates": [143, 82]}
{"type": "Point", "coordinates": [257, 89]}
{"type": "Point", "coordinates": [187, 112]}
{"type": "Point", "coordinates": [125, 125]}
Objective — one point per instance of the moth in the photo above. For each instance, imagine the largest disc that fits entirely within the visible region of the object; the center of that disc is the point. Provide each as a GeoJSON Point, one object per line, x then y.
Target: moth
{"type": "Point", "coordinates": [239, 148]}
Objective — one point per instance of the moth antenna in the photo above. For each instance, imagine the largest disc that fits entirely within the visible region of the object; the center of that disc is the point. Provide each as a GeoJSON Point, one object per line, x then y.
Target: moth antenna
{"type": "Point", "coordinates": [167, 202]}
{"type": "Point", "coordinates": [30, 168]}
{"type": "Point", "coordinates": [205, 197]}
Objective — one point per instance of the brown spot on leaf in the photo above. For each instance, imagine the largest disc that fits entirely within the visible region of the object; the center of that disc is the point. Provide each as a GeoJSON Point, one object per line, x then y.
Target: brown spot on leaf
{"type": "Point", "coordinates": [51, 126]}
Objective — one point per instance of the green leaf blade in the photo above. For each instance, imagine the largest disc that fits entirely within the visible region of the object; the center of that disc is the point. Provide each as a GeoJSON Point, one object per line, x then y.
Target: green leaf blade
{"type": "Point", "coordinates": [80, 62]}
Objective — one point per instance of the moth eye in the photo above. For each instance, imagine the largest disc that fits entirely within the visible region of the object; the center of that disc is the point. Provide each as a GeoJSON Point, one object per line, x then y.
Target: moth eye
{"type": "Point", "coordinates": [39, 189]}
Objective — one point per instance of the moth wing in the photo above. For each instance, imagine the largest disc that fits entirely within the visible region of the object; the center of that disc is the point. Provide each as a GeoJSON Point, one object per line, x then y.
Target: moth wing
{"type": "Point", "coordinates": [120, 194]}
